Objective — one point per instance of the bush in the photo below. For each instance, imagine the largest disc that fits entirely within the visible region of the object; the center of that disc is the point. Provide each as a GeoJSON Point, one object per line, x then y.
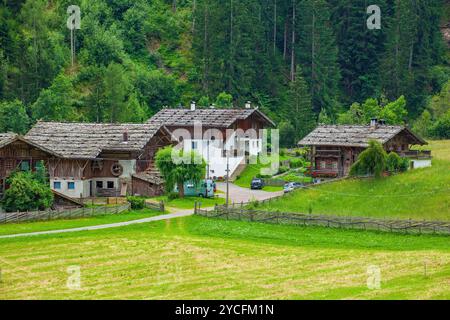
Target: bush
{"type": "Point", "coordinates": [296, 163]}
{"type": "Point", "coordinates": [371, 161]}
{"type": "Point", "coordinates": [172, 196]}
{"type": "Point", "coordinates": [282, 169]}
{"type": "Point", "coordinates": [393, 162]}
{"type": "Point", "coordinates": [441, 128]}
{"type": "Point", "coordinates": [136, 202]}
{"type": "Point", "coordinates": [26, 192]}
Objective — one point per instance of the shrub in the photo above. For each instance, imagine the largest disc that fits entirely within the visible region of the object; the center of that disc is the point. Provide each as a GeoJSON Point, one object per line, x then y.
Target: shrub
{"type": "Point", "coordinates": [371, 161]}
{"type": "Point", "coordinates": [296, 163]}
{"type": "Point", "coordinates": [282, 169]}
{"type": "Point", "coordinates": [27, 192]}
{"type": "Point", "coordinates": [136, 202]}
{"type": "Point", "coordinates": [172, 196]}
{"type": "Point", "coordinates": [394, 163]}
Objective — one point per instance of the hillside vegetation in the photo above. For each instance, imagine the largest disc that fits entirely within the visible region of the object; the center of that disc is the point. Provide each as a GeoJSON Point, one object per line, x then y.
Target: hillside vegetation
{"type": "Point", "coordinates": [201, 258]}
{"type": "Point", "coordinates": [416, 194]}
{"type": "Point", "coordinates": [300, 61]}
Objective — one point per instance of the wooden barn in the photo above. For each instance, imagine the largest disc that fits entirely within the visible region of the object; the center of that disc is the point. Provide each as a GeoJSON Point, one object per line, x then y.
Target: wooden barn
{"type": "Point", "coordinates": [93, 159]}
{"type": "Point", "coordinates": [334, 148]}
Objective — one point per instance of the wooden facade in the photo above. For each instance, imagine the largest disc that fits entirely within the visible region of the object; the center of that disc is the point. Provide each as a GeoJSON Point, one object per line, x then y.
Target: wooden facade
{"type": "Point", "coordinates": [334, 149]}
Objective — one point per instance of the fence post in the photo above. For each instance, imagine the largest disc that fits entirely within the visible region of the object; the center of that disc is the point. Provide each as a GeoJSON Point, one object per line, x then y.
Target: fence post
{"type": "Point", "coordinates": [195, 207]}
{"type": "Point", "coordinates": [161, 206]}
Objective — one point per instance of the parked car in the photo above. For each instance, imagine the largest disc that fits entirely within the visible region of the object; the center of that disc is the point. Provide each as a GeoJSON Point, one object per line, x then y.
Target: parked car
{"type": "Point", "coordinates": [256, 183]}
{"type": "Point", "coordinates": [288, 187]}
{"type": "Point", "coordinates": [297, 185]}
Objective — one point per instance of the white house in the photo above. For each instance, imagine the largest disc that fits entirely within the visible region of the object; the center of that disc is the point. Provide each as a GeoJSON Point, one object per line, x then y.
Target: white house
{"type": "Point", "coordinates": [221, 136]}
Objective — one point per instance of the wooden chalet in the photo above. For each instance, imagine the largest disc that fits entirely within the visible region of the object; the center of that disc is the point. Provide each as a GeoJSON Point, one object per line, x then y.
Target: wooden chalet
{"type": "Point", "coordinates": [93, 159]}
{"type": "Point", "coordinates": [334, 148]}
{"type": "Point", "coordinates": [239, 128]}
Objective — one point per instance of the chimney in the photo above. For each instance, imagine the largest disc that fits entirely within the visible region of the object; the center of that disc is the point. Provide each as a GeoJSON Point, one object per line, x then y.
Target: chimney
{"type": "Point", "coordinates": [248, 105]}
{"type": "Point", "coordinates": [373, 123]}
{"type": "Point", "coordinates": [382, 122]}
{"type": "Point", "coordinates": [125, 136]}
{"type": "Point", "coordinates": [193, 106]}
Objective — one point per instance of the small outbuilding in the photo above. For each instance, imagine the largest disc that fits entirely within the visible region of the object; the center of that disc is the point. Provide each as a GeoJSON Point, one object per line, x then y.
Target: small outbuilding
{"type": "Point", "coordinates": [334, 148]}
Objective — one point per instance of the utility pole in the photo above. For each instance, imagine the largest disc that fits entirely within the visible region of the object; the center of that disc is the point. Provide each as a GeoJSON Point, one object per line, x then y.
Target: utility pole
{"type": "Point", "coordinates": [228, 173]}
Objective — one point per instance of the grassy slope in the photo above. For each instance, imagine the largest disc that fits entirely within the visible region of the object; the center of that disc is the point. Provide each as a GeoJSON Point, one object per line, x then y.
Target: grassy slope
{"type": "Point", "coordinates": [200, 258]}
{"type": "Point", "coordinates": [189, 202]}
{"type": "Point", "coordinates": [251, 171]}
{"type": "Point", "coordinates": [417, 194]}
{"type": "Point", "coordinates": [74, 223]}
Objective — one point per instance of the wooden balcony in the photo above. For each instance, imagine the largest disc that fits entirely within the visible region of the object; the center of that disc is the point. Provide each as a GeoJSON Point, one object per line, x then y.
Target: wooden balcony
{"type": "Point", "coordinates": [328, 153]}
{"type": "Point", "coordinates": [416, 154]}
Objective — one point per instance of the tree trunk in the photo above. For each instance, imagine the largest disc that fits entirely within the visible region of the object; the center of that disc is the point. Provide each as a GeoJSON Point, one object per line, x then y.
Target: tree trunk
{"type": "Point", "coordinates": [285, 41]}
{"type": "Point", "coordinates": [181, 190]}
{"type": "Point", "coordinates": [274, 26]}
{"type": "Point", "coordinates": [293, 43]}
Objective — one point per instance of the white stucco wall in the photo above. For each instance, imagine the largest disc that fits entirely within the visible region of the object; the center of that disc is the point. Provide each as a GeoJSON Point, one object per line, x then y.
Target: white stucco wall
{"type": "Point", "coordinates": [129, 168]}
{"type": "Point", "coordinates": [421, 163]}
{"type": "Point", "coordinates": [81, 187]}
{"type": "Point", "coordinates": [213, 154]}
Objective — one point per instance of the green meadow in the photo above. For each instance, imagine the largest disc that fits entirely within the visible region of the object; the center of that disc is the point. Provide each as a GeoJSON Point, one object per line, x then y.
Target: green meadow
{"type": "Point", "coordinates": [201, 258]}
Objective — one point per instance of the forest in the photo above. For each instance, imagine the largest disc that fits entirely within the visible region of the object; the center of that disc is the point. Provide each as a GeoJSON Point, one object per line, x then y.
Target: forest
{"type": "Point", "coordinates": [303, 62]}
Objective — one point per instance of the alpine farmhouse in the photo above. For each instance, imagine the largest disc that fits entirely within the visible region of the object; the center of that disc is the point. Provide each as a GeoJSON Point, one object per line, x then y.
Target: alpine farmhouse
{"type": "Point", "coordinates": [334, 148]}
{"type": "Point", "coordinates": [230, 135]}
{"type": "Point", "coordinates": [112, 160]}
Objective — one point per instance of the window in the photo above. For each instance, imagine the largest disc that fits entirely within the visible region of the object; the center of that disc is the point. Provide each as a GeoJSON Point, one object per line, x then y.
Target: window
{"type": "Point", "coordinates": [110, 184]}
{"type": "Point", "coordinates": [194, 145]}
{"type": "Point", "coordinates": [323, 164]}
{"type": "Point", "coordinates": [71, 185]}
{"type": "Point", "coordinates": [334, 166]}
{"type": "Point", "coordinates": [25, 165]}
{"type": "Point", "coordinates": [99, 184]}
{"type": "Point", "coordinates": [56, 185]}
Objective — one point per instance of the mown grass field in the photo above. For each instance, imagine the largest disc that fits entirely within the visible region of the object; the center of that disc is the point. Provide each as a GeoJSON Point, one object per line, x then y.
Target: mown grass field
{"type": "Point", "coordinates": [25, 227]}
{"type": "Point", "coordinates": [416, 194]}
{"type": "Point", "coordinates": [200, 258]}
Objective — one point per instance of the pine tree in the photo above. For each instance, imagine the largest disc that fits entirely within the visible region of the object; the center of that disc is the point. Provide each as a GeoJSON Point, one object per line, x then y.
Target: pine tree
{"type": "Point", "coordinates": [300, 106]}
{"type": "Point", "coordinates": [360, 49]}
{"type": "Point", "coordinates": [318, 54]}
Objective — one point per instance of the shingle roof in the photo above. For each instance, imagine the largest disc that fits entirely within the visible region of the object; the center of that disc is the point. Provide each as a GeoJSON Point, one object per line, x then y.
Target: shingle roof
{"type": "Point", "coordinates": [355, 136]}
{"type": "Point", "coordinates": [149, 177]}
{"type": "Point", "coordinates": [88, 140]}
{"type": "Point", "coordinates": [10, 137]}
{"type": "Point", "coordinates": [217, 118]}
{"type": "Point", "coordinates": [7, 138]}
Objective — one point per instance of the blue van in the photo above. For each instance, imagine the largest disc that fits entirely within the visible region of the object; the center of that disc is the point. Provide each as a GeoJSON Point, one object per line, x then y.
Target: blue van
{"type": "Point", "coordinates": [204, 189]}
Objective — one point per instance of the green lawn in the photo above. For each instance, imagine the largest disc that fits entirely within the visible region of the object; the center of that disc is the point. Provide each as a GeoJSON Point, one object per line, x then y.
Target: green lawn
{"type": "Point", "coordinates": [200, 258]}
{"type": "Point", "coordinates": [251, 171]}
{"type": "Point", "coordinates": [13, 228]}
{"type": "Point", "coordinates": [416, 194]}
{"type": "Point", "coordinates": [189, 202]}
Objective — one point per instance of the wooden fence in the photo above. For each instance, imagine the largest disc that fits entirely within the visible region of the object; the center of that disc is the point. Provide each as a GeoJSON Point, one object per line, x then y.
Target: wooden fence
{"type": "Point", "coordinates": [15, 217]}
{"type": "Point", "coordinates": [387, 225]}
{"type": "Point", "coordinates": [158, 206]}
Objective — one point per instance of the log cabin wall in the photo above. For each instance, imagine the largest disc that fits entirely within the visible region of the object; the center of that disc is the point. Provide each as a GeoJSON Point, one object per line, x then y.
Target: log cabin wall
{"type": "Point", "coordinates": [12, 155]}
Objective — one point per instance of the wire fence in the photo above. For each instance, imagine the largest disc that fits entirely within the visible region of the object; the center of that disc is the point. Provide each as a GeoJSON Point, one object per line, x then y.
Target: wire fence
{"type": "Point", "coordinates": [16, 217]}
{"type": "Point", "coordinates": [239, 212]}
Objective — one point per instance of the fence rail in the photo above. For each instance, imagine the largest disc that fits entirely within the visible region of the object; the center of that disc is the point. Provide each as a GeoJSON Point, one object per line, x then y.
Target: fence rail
{"type": "Point", "coordinates": [15, 217]}
{"type": "Point", "coordinates": [387, 225]}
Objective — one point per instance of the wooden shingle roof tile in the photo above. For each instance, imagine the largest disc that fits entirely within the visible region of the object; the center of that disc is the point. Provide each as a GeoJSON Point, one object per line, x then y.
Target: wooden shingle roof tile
{"type": "Point", "coordinates": [355, 135]}
{"type": "Point", "coordinates": [88, 140]}
{"type": "Point", "coordinates": [217, 118]}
